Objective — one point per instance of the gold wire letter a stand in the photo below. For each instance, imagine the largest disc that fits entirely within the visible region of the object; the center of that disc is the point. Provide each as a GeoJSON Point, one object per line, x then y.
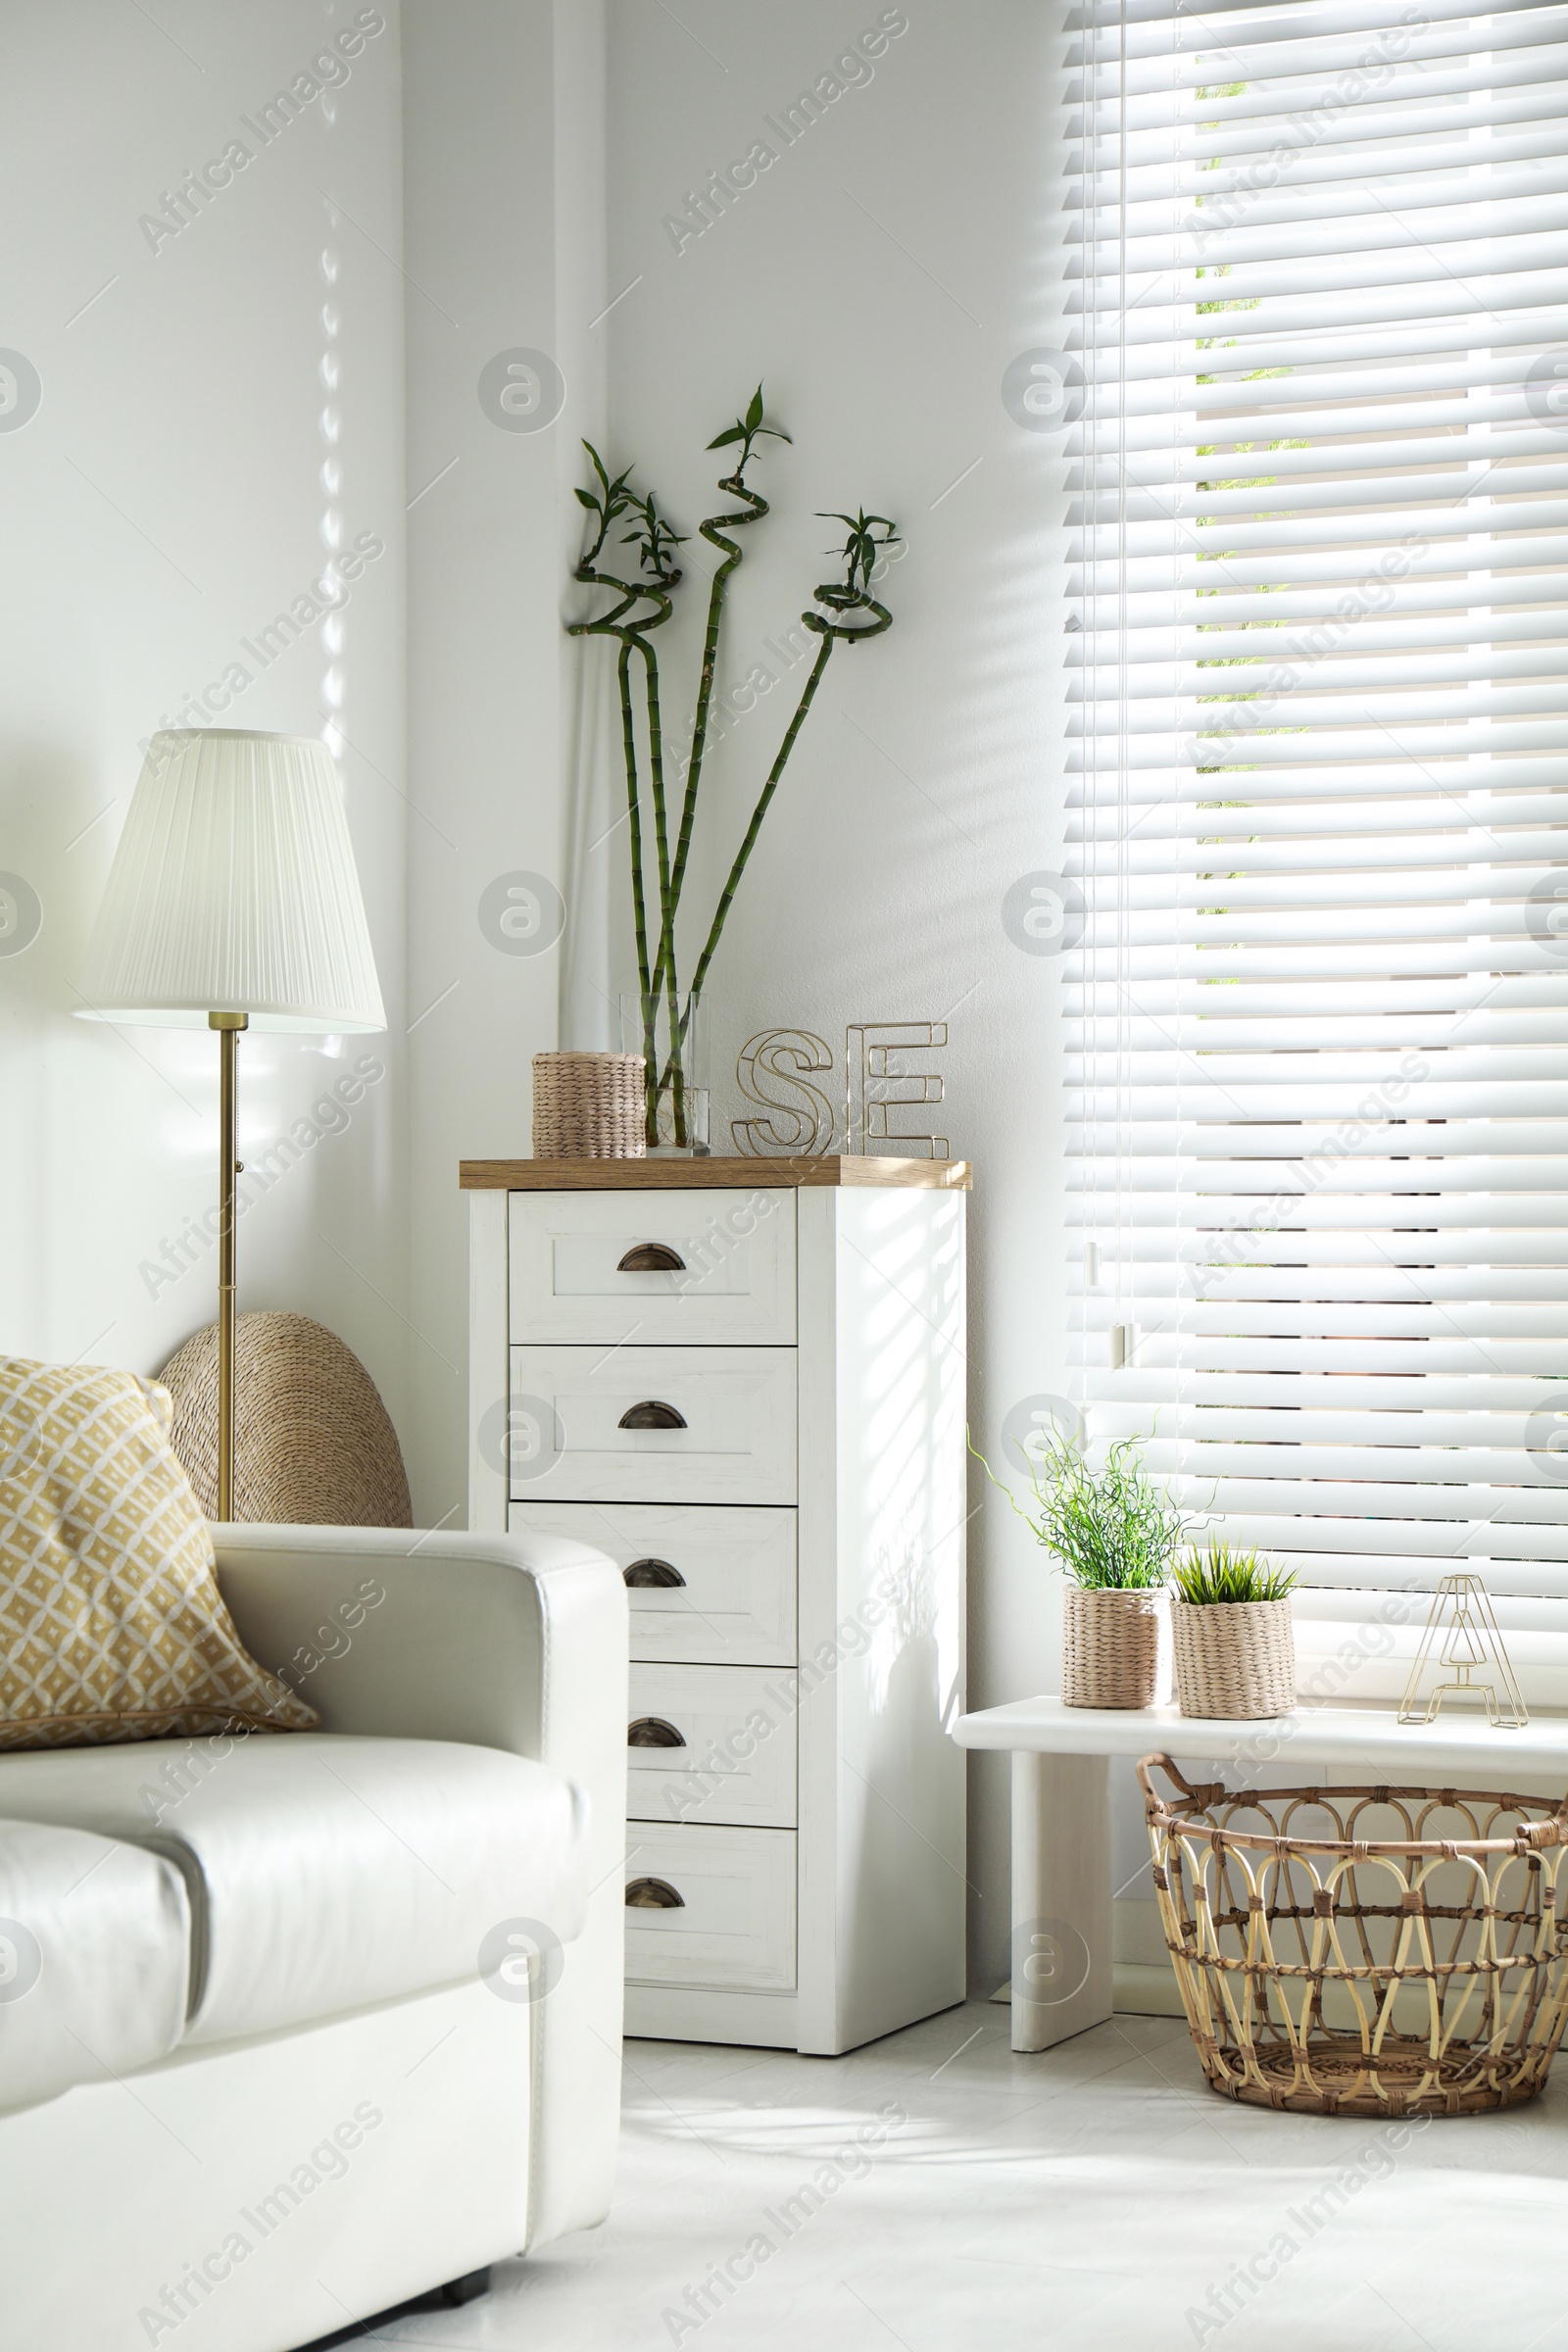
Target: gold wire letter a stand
{"type": "Point", "coordinates": [1463, 1617]}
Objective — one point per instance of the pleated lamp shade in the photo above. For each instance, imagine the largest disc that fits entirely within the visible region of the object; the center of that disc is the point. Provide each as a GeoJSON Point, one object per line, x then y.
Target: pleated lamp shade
{"type": "Point", "coordinates": [234, 890]}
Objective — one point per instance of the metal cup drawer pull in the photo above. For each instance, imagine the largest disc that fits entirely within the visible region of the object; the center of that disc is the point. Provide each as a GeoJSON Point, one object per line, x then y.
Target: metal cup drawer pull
{"type": "Point", "coordinates": [642, 1575]}
{"type": "Point", "coordinates": [651, 1414]}
{"type": "Point", "coordinates": [652, 1257]}
{"type": "Point", "coordinates": [651, 1731]}
{"type": "Point", "coordinates": [653, 1895]}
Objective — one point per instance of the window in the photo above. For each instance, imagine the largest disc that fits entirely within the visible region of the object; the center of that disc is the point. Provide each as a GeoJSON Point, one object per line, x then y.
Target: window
{"type": "Point", "coordinates": [1319, 816]}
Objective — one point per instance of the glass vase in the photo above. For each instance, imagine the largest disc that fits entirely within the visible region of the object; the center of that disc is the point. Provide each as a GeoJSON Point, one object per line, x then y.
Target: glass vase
{"type": "Point", "coordinates": [674, 1074]}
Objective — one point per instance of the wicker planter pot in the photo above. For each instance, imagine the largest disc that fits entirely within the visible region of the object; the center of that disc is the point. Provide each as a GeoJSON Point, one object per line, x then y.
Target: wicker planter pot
{"type": "Point", "coordinates": [588, 1106]}
{"type": "Point", "coordinates": [1233, 1658]}
{"type": "Point", "coordinates": [1109, 1646]}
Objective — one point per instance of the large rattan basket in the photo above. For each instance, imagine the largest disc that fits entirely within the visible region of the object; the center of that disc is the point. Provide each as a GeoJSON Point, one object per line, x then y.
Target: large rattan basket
{"type": "Point", "coordinates": [588, 1106]}
{"type": "Point", "coordinates": [1364, 1951]}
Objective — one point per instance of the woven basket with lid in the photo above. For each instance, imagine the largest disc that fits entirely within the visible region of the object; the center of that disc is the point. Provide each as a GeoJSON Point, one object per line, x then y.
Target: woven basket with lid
{"type": "Point", "coordinates": [588, 1106]}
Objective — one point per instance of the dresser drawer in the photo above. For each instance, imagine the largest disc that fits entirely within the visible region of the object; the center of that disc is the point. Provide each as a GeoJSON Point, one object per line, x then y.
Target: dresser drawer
{"type": "Point", "coordinates": [708, 1584]}
{"type": "Point", "coordinates": [710, 1743]}
{"type": "Point", "coordinates": [727, 1432]}
{"type": "Point", "coordinates": [734, 1924]}
{"type": "Point", "coordinates": [703, 1269]}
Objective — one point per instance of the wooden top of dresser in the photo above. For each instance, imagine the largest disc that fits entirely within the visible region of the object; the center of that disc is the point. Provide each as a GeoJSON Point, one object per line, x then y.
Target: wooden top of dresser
{"type": "Point", "coordinates": [706, 1175]}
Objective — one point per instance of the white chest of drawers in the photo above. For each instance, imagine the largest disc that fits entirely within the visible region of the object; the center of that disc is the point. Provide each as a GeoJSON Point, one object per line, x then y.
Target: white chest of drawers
{"type": "Point", "coordinates": [744, 1380]}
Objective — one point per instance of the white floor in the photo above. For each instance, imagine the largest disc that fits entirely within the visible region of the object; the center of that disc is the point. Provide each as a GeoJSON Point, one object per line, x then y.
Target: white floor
{"type": "Point", "coordinates": [1092, 2196]}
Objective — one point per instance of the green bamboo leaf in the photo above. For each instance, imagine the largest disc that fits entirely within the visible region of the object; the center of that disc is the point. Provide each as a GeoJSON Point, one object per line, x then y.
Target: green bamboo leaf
{"type": "Point", "coordinates": [599, 465]}
{"type": "Point", "coordinates": [753, 414]}
{"type": "Point", "coordinates": [737, 432]}
{"type": "Point", "coordinates": [586, 498]}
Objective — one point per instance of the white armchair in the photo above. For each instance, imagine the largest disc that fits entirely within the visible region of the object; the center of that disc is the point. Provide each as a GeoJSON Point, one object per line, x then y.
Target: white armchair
{"type": "Point", "coordinates": [342, 2111]}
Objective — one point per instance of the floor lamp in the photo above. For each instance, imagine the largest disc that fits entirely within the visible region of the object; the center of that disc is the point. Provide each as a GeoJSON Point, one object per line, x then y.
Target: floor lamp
{"type": "Point", "coordinates": [233, 904]}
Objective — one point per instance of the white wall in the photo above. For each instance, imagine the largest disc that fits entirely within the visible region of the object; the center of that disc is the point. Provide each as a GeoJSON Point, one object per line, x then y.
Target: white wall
{"type": "Point", "coordinates": [879, 274]}
{"type": "Point", "coordinates": [166, 499]}
{"type": "Point", "coordinates": [505, 252]}
{"type": "Point", "coordinates": [165, 503]}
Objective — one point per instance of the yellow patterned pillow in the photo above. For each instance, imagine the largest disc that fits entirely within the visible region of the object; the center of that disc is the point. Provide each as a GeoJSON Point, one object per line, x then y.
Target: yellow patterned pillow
{"type": "Point", "coordinates": [112, 1626]}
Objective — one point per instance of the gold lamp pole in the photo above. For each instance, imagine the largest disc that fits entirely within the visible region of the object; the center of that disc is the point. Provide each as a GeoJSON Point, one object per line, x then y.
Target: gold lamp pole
{"type": "Point", "coordinates": [233, 884]}
{"type": "Point", "coordinates": [229, 1026]}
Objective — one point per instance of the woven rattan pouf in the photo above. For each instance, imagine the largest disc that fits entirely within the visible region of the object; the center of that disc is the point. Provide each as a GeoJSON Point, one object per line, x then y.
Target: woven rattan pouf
{"type": "Point", "coordinates": [313, 1443]}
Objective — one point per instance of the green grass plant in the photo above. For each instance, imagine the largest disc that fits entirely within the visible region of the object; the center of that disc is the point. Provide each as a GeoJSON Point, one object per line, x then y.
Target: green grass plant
{"type": "Point", "coordinates": [1219, 1575]}
{"type": "Point", "coordinates": [1114, 1529]}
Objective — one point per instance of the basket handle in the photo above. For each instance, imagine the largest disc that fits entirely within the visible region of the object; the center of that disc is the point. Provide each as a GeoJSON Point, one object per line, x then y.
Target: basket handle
{"type": "Point", "coordinates": [1200, 1798]}
{"type": "Point", "coordinates": [1149, 1764]}
{"type": "Point", "coordinates": [1538, 1837]}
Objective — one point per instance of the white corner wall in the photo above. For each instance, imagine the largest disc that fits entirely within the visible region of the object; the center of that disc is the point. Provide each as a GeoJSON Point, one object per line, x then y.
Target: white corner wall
{"type": "Point", "coordinates": [880, 273]}
{"type": "Point", "coordinates": [504, 146]}
{"type": "Point", "coordinates": [220, 411]}
{"type": "Point", "coordinates": [485, 182]}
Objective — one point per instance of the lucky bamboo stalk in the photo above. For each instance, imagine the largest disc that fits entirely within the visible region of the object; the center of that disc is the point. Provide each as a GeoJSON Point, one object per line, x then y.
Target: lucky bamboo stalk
{"type": "Point", "coordinates": [615, 499]}
{"type": "Point", "coordinates": [665, 967]}
{"type": "Point", "coordinates": [852, 595]}
{"type": "Point", "coordinates": [748, 430]}
{"type": "Point", "coordinates": [851, 612]}
{"type": "Point", "coordinates": [711, 530]}
{"type": "Point", "coordinates": [658, 539]}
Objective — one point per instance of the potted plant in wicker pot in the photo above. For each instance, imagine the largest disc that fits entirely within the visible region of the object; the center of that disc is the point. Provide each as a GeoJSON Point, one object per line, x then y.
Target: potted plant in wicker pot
{"type": "Point", "coordinates": [1115, 1534]}
{"type": "Point", "coordinates": [1231, 1630]}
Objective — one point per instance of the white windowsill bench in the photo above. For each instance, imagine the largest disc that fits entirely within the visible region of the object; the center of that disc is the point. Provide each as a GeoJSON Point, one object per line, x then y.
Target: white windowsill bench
{"type": "Point", "coordinates": [1062, 1874]}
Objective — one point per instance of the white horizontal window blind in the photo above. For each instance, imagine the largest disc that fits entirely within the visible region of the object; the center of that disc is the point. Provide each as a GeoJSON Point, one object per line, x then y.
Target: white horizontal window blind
{"type": "Point", "coordinates": [1318, 299]}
